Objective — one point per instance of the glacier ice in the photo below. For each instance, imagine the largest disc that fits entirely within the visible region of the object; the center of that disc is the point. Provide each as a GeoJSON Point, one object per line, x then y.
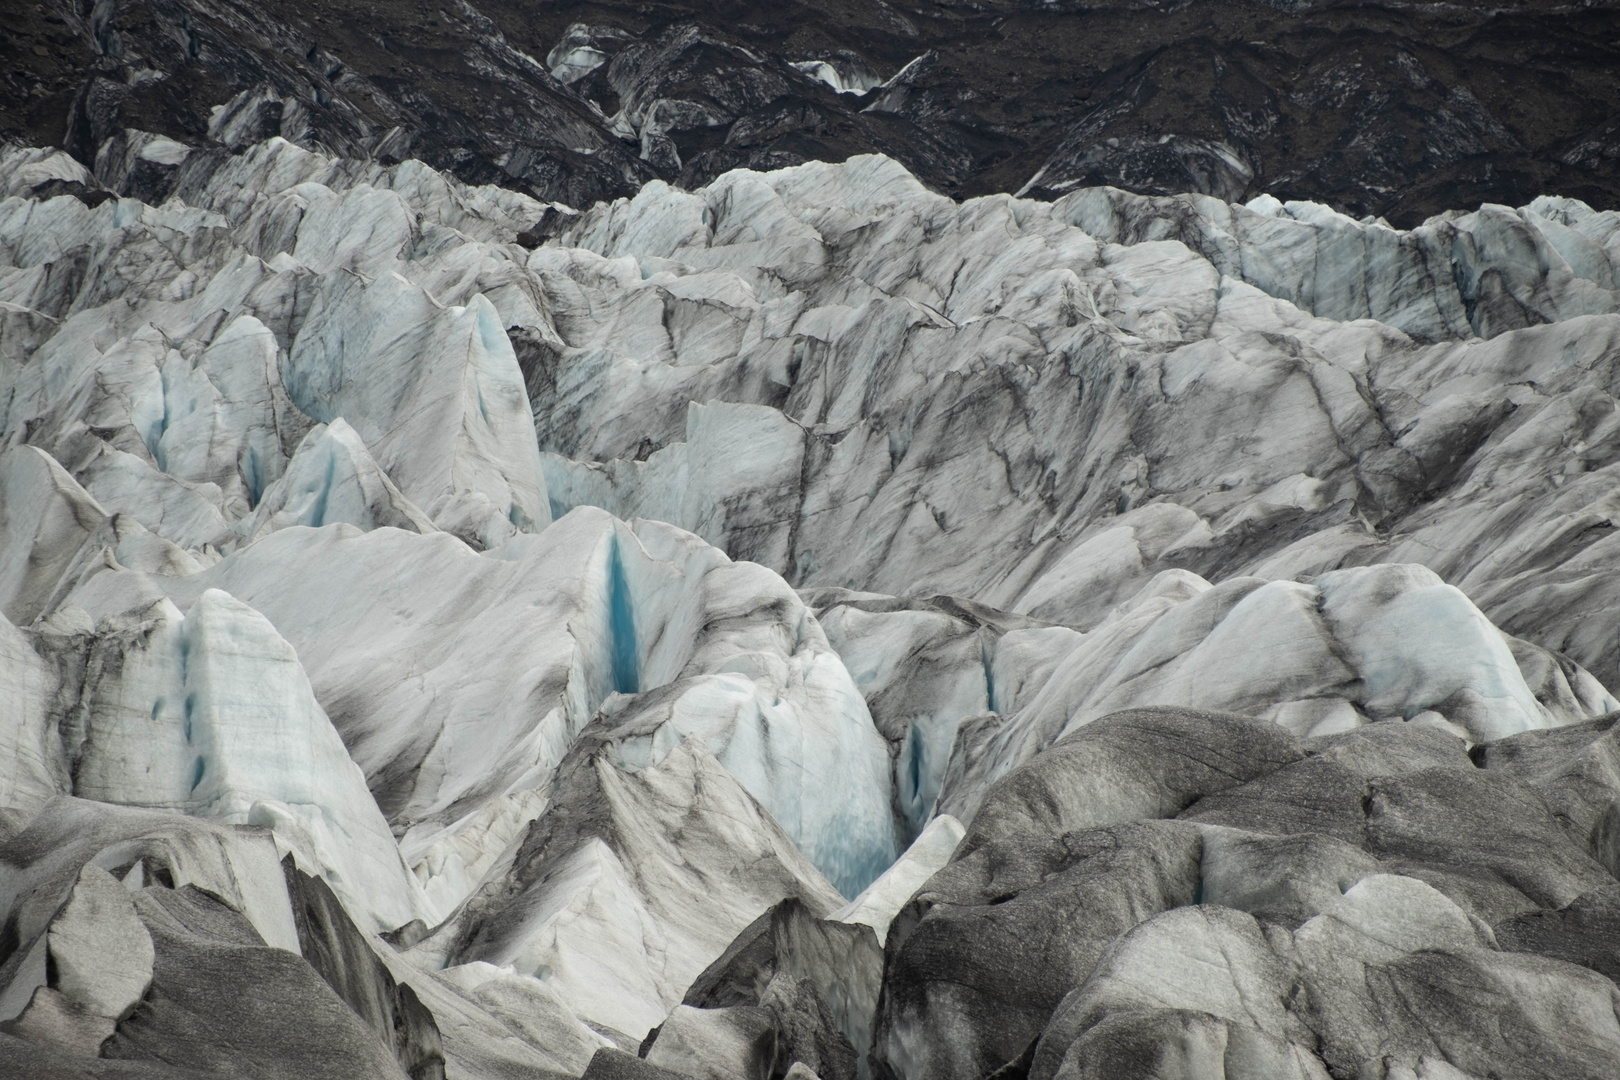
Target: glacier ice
{"type": "Point", "coordinates": [1002, 631]}
{"type": "Point", "coordinates": [881, 901]}
{"type": "Point", "coordinates": [48, 525]}
{"type": "Point", "coordinates": [760, 686]}
{"type": "Point", "coordinates": [478, 471]}
{"type": "Point", "coordinates": [102, 953]}
{"type": "Point", "coordinates": [333, 478]}
{"type": "Point", "coordinates": [209, 713]}
{"type": "Point", "coordinates": [612, 913]}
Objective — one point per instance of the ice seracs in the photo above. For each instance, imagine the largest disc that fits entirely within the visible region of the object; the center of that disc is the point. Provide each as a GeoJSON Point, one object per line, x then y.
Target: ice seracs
{"type": "Point", "coordinates": [101, 952]}
{"type": "Point", "coordinates": [467, 454]}
{"type": "Point", "coordinates": [49, 522]}
{"type": "Point", "coordinates": [209, 713]}
{"type": "Point", "coordinates": [606, 907]}
{"type": "Point", "coordinates": [802, 621]}
{"type": "Point", "coordinates": [332, 478]}
{"type": "Point", "coordinates": [415, 641]}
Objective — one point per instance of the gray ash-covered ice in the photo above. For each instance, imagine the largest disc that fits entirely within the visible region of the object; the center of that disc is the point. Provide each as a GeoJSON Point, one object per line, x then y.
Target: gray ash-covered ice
{"type": "Point", "coordinates": [801, 627]}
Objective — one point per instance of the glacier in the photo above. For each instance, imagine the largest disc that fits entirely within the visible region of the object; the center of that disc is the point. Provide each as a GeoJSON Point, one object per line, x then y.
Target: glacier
{"type": "Point", "coordinates": [804, 626]}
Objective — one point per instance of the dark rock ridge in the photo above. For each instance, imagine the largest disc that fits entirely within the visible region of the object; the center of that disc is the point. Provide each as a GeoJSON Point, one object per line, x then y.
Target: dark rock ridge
{"type": "Point", "coordinates": [1377, 108]}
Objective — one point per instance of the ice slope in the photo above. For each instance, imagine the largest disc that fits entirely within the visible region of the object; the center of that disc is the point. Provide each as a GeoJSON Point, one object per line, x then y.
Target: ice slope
{"type": "Point", "coordinates": [964, 693]}
{"type": "Point", "coordinates": [738, 662]}
{"type": "Point", "coordinates": [925, 667]}
{"type": "Point", "coordinates": [1318, 657]}
{"type": "Point", "coordinates": [1168, 883]}
{"type": "Point", "coordinates": [180, 379]}
{"type": "Point", "coordinates": [213, 898]}
{"type": "Point", "coordinates": [49, 522]}
{"type": "Point", "coordinates": [1554, 259]}
{"type": "Point", "coordinates": [882, 900]}
{"type": "Point", "coordinates": [561, 608]}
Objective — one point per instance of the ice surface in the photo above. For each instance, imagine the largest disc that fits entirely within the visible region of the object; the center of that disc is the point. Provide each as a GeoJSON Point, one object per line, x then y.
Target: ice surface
{"type": "Point", "coordinates": [1418, 643]}
{"type": "Point", "coordinates": [762, 689]}
{"type": "Point", "coordinates": [1406, 646]}
{"type": "Point", "coordinates": [529, 1007]}
{"type": "Point", "coordinates": [733, 655]}
{"type": "Point", "coordinates": [47, 522]}
{"type": "Point", "coordinates": [843, 78]}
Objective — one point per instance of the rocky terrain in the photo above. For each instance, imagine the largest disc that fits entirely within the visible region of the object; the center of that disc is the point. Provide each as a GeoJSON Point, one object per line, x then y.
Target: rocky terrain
{"type": "Point", "coordinates": [805, 626]}
{"type": "Point", "coordinates": [1373, 107]}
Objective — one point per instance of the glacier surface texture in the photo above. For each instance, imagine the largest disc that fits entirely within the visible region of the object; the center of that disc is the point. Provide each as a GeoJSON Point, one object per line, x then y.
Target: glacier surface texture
{"type": "Point", "coordinates": [803, 627]}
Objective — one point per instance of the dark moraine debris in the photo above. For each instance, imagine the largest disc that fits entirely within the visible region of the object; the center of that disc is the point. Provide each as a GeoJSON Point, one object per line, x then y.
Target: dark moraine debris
{"type": "Point", "coordinates": [1398, 112]}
